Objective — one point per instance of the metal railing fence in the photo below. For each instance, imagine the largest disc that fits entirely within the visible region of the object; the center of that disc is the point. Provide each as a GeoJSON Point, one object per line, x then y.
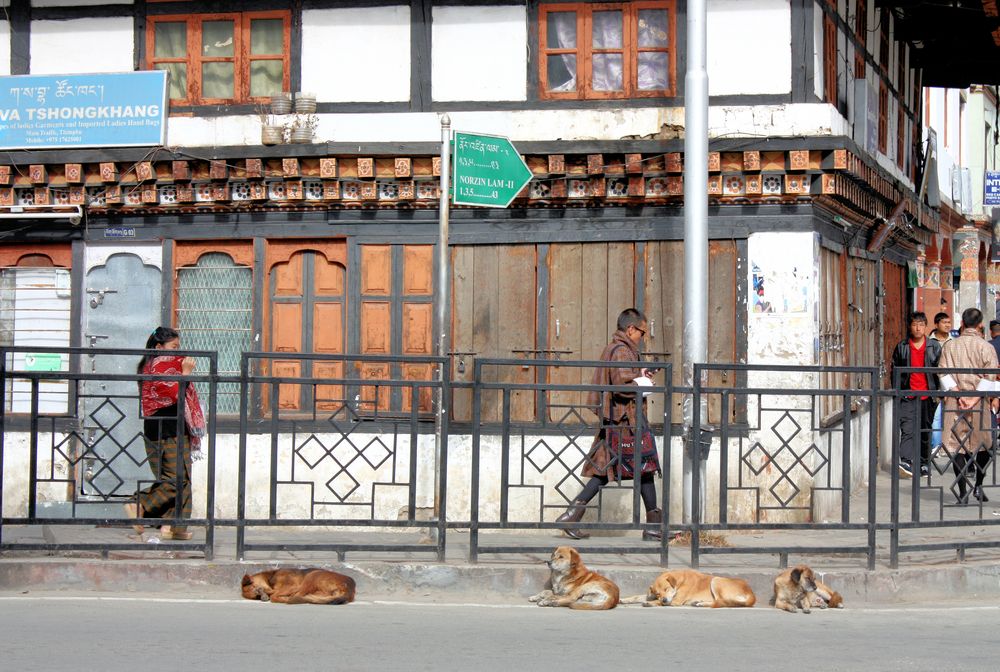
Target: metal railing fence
{"type": "Point", "coordinates": [343, 460]}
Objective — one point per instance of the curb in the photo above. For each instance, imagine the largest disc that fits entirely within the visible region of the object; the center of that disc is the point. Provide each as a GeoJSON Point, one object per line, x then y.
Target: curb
{"type": "Point", "coordinates": [465, 582]}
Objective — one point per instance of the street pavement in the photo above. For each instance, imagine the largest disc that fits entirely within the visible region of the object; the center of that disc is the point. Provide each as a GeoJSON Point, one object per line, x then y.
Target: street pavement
{"type": "Point", "coordinates": [210, 630]}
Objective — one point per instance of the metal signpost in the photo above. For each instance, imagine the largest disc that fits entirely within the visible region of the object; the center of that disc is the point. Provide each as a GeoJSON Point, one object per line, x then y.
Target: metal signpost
{"type": "Point", "coordinates": [488, 173]}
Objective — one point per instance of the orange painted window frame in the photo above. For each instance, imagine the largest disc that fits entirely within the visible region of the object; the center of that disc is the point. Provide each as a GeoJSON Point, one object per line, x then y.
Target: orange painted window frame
{"type": "Point", "coordinates": [584, 51]}
{"type": "Point", "coordinates": [242, 59]}
{"type": "Point", "coordinates": [829, 60]}
{"type": "Point", "coordinates": [883, 118]}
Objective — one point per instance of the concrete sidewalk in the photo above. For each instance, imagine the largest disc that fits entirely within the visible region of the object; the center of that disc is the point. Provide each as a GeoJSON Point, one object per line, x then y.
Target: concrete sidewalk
{"type": "Point", "coordinates": [169, 567]}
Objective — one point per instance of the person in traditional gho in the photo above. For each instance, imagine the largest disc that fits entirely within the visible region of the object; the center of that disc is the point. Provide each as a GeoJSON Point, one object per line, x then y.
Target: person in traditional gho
{"type": "Point", "coordinates": [171, 465]}
{"type": "Point", "coordinates": [966, 422]}
{"type": "Point", "coordinates": [612, 455]}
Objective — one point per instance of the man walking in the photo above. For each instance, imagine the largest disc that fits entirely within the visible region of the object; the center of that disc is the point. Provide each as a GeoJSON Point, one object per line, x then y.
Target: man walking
{"type": "Point", "coordinates": [612, 455]}
{"type": "Point", "coordinates": [942, 334]}
{"type": "Point", "coordinates": [916, 411]}
{"type": "Point", "coordinates": [967, 426]}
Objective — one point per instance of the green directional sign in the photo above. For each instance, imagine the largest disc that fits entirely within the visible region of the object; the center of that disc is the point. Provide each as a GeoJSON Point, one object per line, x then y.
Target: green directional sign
{"type": "Point", "coordinates": [488, 170]}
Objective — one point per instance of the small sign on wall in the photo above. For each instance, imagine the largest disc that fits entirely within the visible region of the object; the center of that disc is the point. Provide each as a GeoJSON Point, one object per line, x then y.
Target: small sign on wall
{"type": "Point", "coordinates": [991, 191]}
{"type": "Point", "coordinates": [125, 109]}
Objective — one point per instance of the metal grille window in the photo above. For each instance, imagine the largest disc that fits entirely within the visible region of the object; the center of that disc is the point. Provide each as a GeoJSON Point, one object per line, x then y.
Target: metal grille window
{"type": "Point", "coordinates": [215, 312]}
{"type": "Point", "coordinates": [832, 344]}
{"type": "Point", "coordinates": [34, 311]}
{"type": "Point", "coordinates": [862, 327]}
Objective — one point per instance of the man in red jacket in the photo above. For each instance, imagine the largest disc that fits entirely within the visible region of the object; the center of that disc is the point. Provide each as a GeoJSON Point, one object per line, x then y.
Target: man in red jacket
{"type": "Point", "coordinates": [916, 411]}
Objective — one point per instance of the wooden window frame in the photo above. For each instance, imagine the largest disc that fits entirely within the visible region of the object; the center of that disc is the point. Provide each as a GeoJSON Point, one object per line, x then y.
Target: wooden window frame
{"type": "Point", "coordinates": [861, 22]}
{"type": "Point", "coordinates": [241, 58]}
{"type": "Point", "coordinates": [830, 60]}
{"type": "Point", "coordinates": [900, 135]}
{"type": "Point", "coordinates": [883, 117]}
{"type": "Point", "coordinates": [584, 53]}
{"type": "Point", "coordinates": [883, 41]}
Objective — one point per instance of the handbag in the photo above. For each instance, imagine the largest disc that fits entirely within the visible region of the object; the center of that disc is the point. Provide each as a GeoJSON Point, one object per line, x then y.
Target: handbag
{"type": "Point", "coordinates": [621, 446]}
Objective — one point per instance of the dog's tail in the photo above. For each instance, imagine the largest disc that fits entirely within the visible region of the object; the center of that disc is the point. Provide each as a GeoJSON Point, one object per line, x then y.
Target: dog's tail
{"type": "Point", "coordinates": [634, 599]}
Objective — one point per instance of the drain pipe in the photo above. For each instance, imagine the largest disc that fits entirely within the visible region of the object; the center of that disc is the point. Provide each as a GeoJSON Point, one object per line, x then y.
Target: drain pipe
{"type": "Point", "coordinates": [695, 241]}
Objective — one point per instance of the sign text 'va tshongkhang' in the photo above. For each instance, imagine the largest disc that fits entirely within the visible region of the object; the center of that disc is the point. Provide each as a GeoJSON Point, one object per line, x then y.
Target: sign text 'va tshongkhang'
{"type": "Point", "coordinates": [125, 109]}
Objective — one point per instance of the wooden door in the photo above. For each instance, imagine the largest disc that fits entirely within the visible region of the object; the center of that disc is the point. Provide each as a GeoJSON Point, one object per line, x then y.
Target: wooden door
{"type": "Point", "coordinates": [307, 298]}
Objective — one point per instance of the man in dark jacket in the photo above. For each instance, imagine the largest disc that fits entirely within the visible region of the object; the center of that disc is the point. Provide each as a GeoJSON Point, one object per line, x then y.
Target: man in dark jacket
{"type": "Point", "coordinates": [916, 411]}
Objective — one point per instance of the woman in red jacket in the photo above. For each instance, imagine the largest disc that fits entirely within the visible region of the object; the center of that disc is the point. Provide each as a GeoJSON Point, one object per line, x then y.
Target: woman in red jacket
{"type": "Point", "coordinates": [171, 465]}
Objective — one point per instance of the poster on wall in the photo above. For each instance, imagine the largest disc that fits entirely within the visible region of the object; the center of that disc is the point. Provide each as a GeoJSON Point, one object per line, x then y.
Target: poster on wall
{"type": "Point", "coordinates": [126, 109]}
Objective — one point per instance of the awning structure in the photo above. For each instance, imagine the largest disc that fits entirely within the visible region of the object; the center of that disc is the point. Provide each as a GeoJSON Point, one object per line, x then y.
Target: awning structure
{"type": "Point", "coordinates": [956, 42]}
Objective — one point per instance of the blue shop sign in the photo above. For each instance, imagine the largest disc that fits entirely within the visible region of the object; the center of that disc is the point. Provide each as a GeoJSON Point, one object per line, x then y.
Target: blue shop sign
{"type": "Point", "coordinates": [125, 109]}
{"type": "Point", "coordinates": [991, 195]}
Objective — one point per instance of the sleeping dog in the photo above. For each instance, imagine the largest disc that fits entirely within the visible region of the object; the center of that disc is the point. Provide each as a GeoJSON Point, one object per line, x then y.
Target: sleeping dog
{"type": "Point", "coordinates": [686, 587]}
{"type": "Point", "coordinates": [299, 586]}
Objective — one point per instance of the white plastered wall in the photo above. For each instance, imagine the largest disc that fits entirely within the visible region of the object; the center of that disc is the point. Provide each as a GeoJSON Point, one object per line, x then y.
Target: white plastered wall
{"type": "Point", "coordinates": [478, 53]}
{"type": "Point", "coordinates": [742, 61]}
{"type": "Point", "coordinates": [82, 46]}
{"type": "Point", "coordinates": [4, 47]}
{"type": "Point", "coordinates": [357, 54]}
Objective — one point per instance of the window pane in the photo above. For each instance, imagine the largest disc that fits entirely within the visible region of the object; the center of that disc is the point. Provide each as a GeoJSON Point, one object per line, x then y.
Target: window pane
{"type": "Point", "coordinates": [562, 72]}
{"type": "Point", "coordinates": [217, 80]}
{"type": "Point", "coordinates": [562, 30]}
{"type": "Point", "coordinates": [217, 39]}
{"type": "Point", "coordinates": [265, 78]}
{"type": "Point", "coordinates": [607, 30]}
{"type": "Point", "coordinates": [654, 30]}
{"type": "Point", "coordinates": [607, 72]}
{"type": "Point", "coordinates": [266, 36]}
{"type": "Point", "coordinates": [215, 309]}
{"type": "Point", "coordinates": [653, 70]}
{"type": "Point", "coordinates": [170, 40]}
{"type": "Point", "coordinates": [178, 79]}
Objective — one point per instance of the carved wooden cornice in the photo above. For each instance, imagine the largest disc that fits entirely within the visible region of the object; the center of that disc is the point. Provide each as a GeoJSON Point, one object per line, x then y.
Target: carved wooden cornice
{"type": "Point", "coordinates": [865, 192]}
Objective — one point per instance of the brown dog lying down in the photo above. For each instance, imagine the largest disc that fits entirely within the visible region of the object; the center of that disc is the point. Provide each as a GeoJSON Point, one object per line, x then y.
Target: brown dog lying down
{"type": "Point", "coordinates": [827, 597]}
{"type": "Point", "coordinates": [795, 589]}
{"type": "Point", "coordinates": [299, 586]}
{"type": "Point", "coordinates": [688, 588]}
{"type": "Point", "coordinates": [575, 586]}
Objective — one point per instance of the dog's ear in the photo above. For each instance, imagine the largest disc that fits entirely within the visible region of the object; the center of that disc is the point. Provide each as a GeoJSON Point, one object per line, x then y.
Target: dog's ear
{"type": "Point", "coordinates": [796, 575]}
{"type": "Point", "coordinates": [246, 580]}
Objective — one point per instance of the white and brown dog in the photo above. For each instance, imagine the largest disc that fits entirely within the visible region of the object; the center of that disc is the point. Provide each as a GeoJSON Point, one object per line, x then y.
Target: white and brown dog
{"type": "Point", "coordinates": [575, 586]}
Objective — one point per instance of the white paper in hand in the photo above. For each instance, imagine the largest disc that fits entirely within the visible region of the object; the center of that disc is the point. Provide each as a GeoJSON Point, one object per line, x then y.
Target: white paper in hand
{"type": "Point", "coordinates": [643, 381]}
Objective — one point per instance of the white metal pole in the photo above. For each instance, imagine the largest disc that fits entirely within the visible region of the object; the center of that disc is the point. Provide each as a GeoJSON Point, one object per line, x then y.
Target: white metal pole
{"type": "Point", "coordinates": [695, 227]}
{"type": "Point", "coordinates": [442, 296]}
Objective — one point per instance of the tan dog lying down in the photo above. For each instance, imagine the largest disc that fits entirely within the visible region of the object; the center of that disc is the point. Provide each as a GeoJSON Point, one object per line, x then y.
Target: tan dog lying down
{"type": "Point", "coordinates": [299, 586]}
{"type": "Point", "coordinates": [575, 586]}
{"type": "Point", "coordinates": [688, 588]}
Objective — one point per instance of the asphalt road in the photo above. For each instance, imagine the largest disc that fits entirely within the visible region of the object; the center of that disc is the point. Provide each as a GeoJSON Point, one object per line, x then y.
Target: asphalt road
{"type": "Point", "coordinates": [82, 632]}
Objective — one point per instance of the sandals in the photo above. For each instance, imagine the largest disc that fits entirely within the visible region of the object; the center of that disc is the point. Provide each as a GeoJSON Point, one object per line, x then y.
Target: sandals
{"type": "Point", "coordinates": [167, 533]}
{"type": "Point", "coordinates": [134, 510]}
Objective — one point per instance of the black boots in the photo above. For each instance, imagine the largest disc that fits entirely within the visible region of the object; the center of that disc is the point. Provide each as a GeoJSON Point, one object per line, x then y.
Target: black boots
{"type": "Point", "coordinates": [959, 462]}
{"type": "Point", "coordinates": [573, 515]}
{"type": "Point", "coordinates": [654, 516]}
{"type": "Point", "coordinates": [961, 467]}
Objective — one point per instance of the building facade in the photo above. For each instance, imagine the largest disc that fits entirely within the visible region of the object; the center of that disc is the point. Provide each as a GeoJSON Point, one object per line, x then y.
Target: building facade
{"type": "Point", "coordinates": [245, 244]}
